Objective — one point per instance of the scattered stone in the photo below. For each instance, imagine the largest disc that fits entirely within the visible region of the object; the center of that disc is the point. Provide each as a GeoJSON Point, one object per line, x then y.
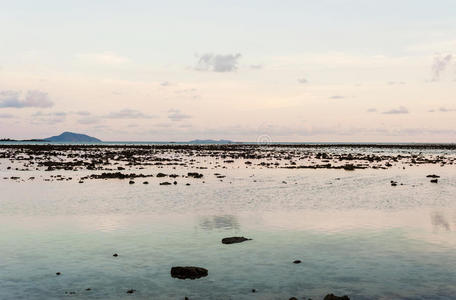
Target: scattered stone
{"type": "Point", "coordinates": [188, 272]}
{"type": "Point", "coordinates": [131, 182]}
{"type": "Point", "coordinates": [165, 183]}
{"type": "Point", "coordinates": [434, 180]}
{"type": "Point", "coordinates": [145, 182]}
{"type": "Point", "coordinates": [234, 240]}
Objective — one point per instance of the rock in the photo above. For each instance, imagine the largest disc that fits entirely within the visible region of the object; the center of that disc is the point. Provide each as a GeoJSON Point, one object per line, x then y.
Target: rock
{"type": "Point", "coordinates": [161, 175]}
{"type": "Point", "coordinates": [333, 297]}
{"type": "Point", "coordinates": [293, 298]}
{"type": "Point", "coordinates": [253, 291]}
{"type": "Point", "coordinates": [188, 272]}
{"type": "Point", "coordinates": [297, 261]}
{"type": "Point", "coordinates": [115, 255]}
{"type": "Point", "coordinates": [434, 180]}
{"type": "Point", "coordinates": [349, 167]}
{"type": "Point", "coordinates": [58, 273]}
{"type": "Point", "coordinates": [165, 183]}
{"type": "Point", "coordinates": [145, 182]}
{"type": "Point", "coordinates": [131, 182]}
{"type": "Point", "coordinates": [234, 240]}
{"type": "Point", "coordinates": [131, 291]}
{"type": "Point", "coordinates": [433, 176]}
{"type": "Point", "coordinates": [194, 175]}
{"type": "Point", "coordinates": [88, 289]}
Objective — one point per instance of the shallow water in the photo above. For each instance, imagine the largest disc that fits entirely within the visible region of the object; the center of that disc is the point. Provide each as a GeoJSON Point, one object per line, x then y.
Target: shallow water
{"type": "Point", "coordinates": [353, 231]}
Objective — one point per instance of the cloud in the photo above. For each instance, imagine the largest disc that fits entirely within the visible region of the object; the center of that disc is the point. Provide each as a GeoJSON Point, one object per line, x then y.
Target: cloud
{"type": "Point", "coordinates": [302, 80]}
{"type": "Point", "coordinates": [397, 111]}
{"type": "Point", "coordinates": [89, 120]}
{"type": "Point", "coordinates": [372, 110]}
{"type": "Point", "coordinates": [439, 65]}
{"type": "Point", "coordinates": [218, 62]}
{"type": "Point", "coordinates": [335, 97]}
{"type": "Point", "coordinates": [6, 116]}
{"type": "Point", "coordinates": [128, 114]}
{"type": "Point", "coordinates": [176, 116]}
{"type": "Point", "coordinates": [33, 98]}
{"type": "Point", "coordinates": [49, 118]}
{"type": "Point", "coordinates": [106, 58]}
{"type": "Point", "coordinates": [256, 67]}
{"type": "Point", "coordinates": [444, 109]}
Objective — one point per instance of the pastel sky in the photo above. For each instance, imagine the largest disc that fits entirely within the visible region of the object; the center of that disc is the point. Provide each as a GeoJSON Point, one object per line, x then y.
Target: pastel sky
{"type": "Point", "coordinates": [347, 70]}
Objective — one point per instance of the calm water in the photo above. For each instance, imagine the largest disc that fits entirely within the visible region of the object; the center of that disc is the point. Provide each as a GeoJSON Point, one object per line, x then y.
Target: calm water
{"type": "Point", "coordinates": [353, 231]}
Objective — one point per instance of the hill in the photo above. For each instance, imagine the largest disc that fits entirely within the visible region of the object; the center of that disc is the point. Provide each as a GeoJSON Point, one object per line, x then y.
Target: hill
{"type": "Point", "coordinates": [72, 137]}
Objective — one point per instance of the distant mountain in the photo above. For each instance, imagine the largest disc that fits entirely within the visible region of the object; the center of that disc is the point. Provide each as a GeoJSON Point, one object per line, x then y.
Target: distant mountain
{"type": "Point", "coordinates": [72, 137]}
{"type": "Point", "coordinates": [210, 142]}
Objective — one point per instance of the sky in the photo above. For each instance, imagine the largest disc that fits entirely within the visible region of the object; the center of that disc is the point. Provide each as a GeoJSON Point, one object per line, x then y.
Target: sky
{"type": "Point", "coordinates": [280, 71]}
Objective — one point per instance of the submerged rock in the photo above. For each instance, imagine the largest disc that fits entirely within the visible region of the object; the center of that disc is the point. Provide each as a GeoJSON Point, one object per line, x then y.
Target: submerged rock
{"type": "Point", "coordinates": [297, 261]}
{"type": "Point", "coordinates": [334, 297]}
{"type": "Point", "coordinates": [234, 240]}
{"type": "Point", "coordinates": [188, 272]}
{"type": "Point", "coordinates": [131, 291]}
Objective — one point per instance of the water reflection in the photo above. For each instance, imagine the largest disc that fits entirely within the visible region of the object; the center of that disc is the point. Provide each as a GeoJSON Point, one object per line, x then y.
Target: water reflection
{"type": "Point", "coordinates": [219, 222]}
{"type": "Point", "coordinates": [439, 221]}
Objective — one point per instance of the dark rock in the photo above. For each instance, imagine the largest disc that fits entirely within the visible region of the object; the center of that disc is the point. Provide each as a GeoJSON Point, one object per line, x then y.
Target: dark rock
{"type": "Point", "coordinates": [131, 182]}
{"type": "Point", "coordinates": [253, 291]}
{"type": "Point", "coordinates": [165, 183]}
{"type": "Point", "coordinates": [234, 240]}
{"type": "Point", "coordinates": [188, 272]}
{"type": "Point", "coordinates": [131, 291]}
{"type": "Point", "coordinates": [194, 175]}
{"type": "Point", "coordinates": [145, 182]}
{"type": "Point", "coordinates": [58, 273]}
{"type": "Point", "coordinates": [333, 297]}
{"type": "Point", "coordinates": [297, 261]}
{"type": "Point", "coordinates": [88, 289]}
{"type": "Point", "coordinates": [433, 176]}
{"type": "Point", "coordinates": [349, 167]}
{"type": "Point", "coordinates": [434, 180]}
{"type": "Point", "coordinates": [115, 255]}
{"type": "Point", "coordinates": [159, 175]}
{"type": "Point", "coordinates": [293, 298]}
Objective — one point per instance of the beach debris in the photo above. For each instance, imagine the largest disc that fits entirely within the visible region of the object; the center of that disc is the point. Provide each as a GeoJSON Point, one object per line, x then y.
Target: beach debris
{"type": "Point", "coordinates": [188, 272]}
{"type": "Point", "coordinates": [234, 240]}
{"type": "Point", "coordinates": [334, 297]}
